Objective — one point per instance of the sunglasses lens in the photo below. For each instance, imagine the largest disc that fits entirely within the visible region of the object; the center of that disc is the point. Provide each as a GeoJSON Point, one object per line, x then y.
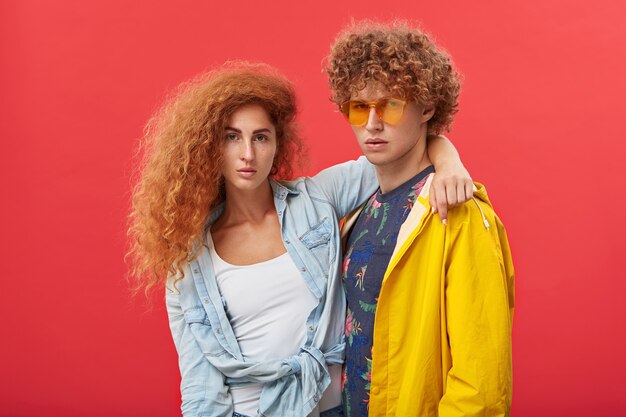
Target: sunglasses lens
{"type": "Point", "coordinates": [390, 111]}
{"type": "Point", "coordinates": [357, 112]}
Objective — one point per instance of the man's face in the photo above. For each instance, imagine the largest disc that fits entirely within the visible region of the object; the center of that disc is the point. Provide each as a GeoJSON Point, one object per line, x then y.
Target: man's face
{"type": "Point", "coordinates": [387, 145]}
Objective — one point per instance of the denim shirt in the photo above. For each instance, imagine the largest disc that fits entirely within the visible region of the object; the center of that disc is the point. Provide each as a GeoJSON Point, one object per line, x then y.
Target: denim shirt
{"type": "Point", "coordinates": [210, 360]}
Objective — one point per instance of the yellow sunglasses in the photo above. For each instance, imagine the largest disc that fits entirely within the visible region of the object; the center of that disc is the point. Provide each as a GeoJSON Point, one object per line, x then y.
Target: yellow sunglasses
{"type": "Point", "coordinates": [389, 110]}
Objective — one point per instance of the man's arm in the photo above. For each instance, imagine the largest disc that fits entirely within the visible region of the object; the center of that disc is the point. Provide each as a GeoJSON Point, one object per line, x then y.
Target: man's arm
{"type": "Point", "coordinates": [452, 184]}
{"type": "Point", "coordinates": [479, 312]}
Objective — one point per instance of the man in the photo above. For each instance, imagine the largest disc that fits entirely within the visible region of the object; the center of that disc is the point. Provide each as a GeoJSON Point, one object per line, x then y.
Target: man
{"type": "Point", "coordinates": [430, 304]}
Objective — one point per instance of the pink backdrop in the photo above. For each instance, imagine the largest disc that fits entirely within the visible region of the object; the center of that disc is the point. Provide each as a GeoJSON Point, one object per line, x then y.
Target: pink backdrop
{"type": "Point", "coordinates": [541, 124]}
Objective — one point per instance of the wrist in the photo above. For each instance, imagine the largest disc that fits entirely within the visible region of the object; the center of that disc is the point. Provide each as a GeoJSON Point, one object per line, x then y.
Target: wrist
{"type": "Point", "coordinates": [447, 162]}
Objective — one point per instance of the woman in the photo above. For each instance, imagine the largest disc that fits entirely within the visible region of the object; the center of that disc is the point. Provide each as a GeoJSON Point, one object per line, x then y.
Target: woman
{"type": "Point", "coordinates": [255, 304]}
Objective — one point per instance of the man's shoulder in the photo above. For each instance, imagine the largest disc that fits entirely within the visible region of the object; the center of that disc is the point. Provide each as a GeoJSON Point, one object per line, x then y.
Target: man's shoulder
{"type": "Point", "coordinates": [476, 212]}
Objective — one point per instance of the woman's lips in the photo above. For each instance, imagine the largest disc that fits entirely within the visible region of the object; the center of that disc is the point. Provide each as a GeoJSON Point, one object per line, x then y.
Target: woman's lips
{"type": "Point", "coordinates": [246, 172]}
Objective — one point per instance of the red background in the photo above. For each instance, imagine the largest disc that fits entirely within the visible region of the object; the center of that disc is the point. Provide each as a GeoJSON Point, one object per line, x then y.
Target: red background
{"type": "Point", "coordinates": [541, 124]}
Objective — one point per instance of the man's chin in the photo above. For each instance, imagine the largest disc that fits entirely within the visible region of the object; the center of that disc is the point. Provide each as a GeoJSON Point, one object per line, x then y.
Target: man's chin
{"type": "Point", "coordinates": [376, 158]}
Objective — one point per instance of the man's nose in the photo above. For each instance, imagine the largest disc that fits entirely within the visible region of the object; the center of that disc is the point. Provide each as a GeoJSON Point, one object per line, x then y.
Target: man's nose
{"type": "Point", "coordinates": [374, 122]}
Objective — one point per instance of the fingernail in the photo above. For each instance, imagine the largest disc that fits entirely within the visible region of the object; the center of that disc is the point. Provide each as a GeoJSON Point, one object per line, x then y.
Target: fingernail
{"type": "Point", "coordinates": [432, 210]}
{"type": "Point", "coordinates": [445, 222]}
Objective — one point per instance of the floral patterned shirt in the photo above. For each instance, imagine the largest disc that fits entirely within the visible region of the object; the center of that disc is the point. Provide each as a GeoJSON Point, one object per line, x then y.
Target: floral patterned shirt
{"type": "Point", "coordinates": [368, 252]}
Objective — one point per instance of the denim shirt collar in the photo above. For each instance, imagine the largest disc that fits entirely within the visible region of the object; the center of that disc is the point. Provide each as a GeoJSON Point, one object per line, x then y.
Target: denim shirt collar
{"type": "Point", "coordinates": [281, 190]}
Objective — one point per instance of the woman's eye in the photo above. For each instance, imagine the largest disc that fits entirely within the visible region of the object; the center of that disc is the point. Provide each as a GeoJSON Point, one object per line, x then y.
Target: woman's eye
{"type": "Point", "coordinates": [360, 106]}
{"type": "Point", "coordinates": [231, 136]}
{"type": "Point", "coordinates": [261, 138]}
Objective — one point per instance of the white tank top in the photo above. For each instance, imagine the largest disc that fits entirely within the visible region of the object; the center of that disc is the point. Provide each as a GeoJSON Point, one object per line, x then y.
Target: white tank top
{"type": "Point", "coordinates": [267, 304]}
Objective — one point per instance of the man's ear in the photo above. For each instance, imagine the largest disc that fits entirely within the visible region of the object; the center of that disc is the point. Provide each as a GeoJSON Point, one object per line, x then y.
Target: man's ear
{"type": "Point", "coordinates": [428, 113]}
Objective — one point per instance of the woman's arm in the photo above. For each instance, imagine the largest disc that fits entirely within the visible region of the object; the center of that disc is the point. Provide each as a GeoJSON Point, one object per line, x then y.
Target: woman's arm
{"type": "Point", "coordinates": [452, 184]}
{"type": "Point", "coordinates": [203, 390]}
{"type": "Point", "coordinates": [345, 186]}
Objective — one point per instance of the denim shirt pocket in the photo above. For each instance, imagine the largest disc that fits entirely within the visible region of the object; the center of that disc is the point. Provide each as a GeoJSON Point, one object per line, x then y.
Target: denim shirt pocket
{"type": "Point", "coordinates": [320, 245]}
{"type": "Point", "coordinates": [200, 327]}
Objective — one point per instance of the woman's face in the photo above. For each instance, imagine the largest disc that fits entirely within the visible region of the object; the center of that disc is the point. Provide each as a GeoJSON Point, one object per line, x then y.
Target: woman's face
{"type": "Point", "coordinates": [249, 148]}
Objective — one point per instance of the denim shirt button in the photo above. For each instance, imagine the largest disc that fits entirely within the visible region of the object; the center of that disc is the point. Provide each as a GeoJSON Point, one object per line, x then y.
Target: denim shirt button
{"type": "Point", "coordinates": [195, 271]}
{"type": "Point", "coordinates": [218, 331]}
{"type": "Point", "coordinates": [311, 328]}
{"type": "Point", "coordinates": [303, 269]}
{"type": "Point", "coordinates": [205, 301]}
{"type": "Point", "coordinates": [287, 241]}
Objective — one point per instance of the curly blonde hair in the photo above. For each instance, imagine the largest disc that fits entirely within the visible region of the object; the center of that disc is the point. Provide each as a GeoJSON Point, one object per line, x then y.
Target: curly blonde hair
{"type": "Point", "coordinates": [179, 180]}
{"type": "Point", "coordinates": [402, 59]}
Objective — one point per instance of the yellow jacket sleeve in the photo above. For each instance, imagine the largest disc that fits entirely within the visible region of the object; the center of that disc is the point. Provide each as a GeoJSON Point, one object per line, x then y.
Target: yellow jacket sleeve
{"type": "Point", "coordinates": [477, 313]}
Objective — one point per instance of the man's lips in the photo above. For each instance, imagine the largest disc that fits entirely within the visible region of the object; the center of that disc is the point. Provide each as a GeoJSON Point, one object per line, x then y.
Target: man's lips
{"type": "Point", "coordinates": [375, 143]}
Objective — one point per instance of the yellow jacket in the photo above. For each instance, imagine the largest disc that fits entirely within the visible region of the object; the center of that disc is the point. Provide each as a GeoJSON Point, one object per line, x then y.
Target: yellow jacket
{"type": "Point", "coordinates": [442, 332]}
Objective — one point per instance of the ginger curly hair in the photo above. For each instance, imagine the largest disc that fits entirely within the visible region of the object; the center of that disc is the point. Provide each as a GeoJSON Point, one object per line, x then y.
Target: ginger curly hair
{"type": "Point", "coordinates": [403, 60]}
{"type": "Point", "coordinates": [179, 180]}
